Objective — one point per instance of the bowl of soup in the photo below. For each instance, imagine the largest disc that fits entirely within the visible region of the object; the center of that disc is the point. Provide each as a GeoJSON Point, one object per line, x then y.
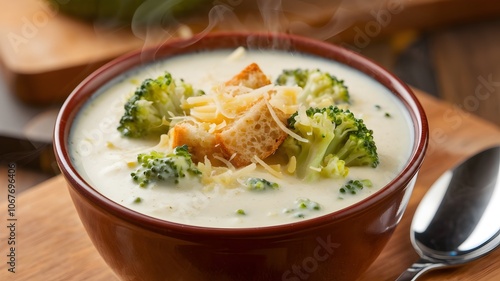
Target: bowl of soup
{"type": "Point", "coordinates": [224, 216]}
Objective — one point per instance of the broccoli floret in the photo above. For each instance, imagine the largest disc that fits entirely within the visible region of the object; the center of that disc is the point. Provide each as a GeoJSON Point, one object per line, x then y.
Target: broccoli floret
{"type": "Point", "coordinates": [259, 184]}
{"type": "Point", "coordinates": [159, 167]}
{"type": "Point", "coordinates": [241, 212]}
{"type": "Point", "coordinates": [319, 89]}
{"type": "Point", "coordinates": [149, 110]}
{"type": "Point", "coordinates": [333, 166]}
{"type": "Point", "coordinates": [336, 140]}
{"type": "Point", "coordinates": [352, 186]}
{"type": "Point", "coordinates": [301, 207]}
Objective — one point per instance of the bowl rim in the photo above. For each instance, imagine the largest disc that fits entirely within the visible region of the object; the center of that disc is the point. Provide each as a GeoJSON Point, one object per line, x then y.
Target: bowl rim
{"type": "Point", "coordinates": [278, 41]}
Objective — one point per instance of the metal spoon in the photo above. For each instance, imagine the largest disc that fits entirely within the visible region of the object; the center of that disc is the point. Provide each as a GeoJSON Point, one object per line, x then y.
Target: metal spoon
{"type": "Point", "coordinates": [458, 221]}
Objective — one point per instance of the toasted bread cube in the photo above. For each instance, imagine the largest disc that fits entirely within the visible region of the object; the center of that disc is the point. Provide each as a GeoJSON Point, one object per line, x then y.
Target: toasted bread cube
{"type": "Point", "coordinates": [200, 142]}
{"type": "Point", "coordinates": [251, 77]}
{"type": "Point", "coordinates": [255, 133]}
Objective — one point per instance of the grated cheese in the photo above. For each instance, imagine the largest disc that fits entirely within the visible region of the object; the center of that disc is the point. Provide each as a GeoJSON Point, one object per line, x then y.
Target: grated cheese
{"type": "Point", "coordinates": [236, 54]}
{"type": "Point", "coordinates": [292, 165]}
{"type": "Point", "coordinates": [224, 161]}
{"type": "Point", "coordinates": [268, 168]}
{"type": "Point", "coordinates": [317, 169]}
{"type": "Point", "coordinates": [221, 106]}
{"type": "Point", "coordinates": [227, 177]}
{"type": "Point", "coordinates": [282, 126]}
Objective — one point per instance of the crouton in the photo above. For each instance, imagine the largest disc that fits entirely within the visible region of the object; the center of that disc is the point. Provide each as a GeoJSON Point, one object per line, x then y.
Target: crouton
{"type": "Point", "coordinates": [251, 77]}
{"type": "Point", "coordinates": [249, 127]}
{"type": "Point", "coordinates": [255, 133]}
{"type": "Point", "coordinates": [199, 140]}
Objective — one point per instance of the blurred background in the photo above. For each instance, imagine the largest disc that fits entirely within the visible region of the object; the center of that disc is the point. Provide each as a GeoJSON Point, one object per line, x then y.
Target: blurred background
{"type": "Point", "coordinates": [450, 49]}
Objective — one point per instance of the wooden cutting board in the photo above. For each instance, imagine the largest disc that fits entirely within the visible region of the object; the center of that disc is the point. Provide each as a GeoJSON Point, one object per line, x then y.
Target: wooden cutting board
{"type": "Point", "coordinates": [51, 243]}
{"type": "Point", "coordinates": [45, 54]}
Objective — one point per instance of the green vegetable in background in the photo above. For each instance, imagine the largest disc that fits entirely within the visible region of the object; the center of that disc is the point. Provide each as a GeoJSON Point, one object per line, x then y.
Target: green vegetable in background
{"type": "Point", "coordinates": [129, 11]}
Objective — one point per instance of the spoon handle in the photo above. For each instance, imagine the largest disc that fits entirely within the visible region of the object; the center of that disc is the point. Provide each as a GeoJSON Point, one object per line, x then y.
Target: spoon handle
{"type": "Point", "coordinates": [417, 269]}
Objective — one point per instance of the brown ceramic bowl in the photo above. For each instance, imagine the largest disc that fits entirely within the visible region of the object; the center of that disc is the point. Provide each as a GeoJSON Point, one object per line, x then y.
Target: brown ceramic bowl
{"type": "Point", "coordinates": [338, 246]}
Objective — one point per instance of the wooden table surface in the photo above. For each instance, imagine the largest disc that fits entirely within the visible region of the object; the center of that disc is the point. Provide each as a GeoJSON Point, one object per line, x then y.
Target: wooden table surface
{"type": "Point", "coordinates": [51, 243]}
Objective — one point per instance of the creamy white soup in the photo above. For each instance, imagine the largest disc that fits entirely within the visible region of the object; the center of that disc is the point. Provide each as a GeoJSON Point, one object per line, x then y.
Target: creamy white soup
{"type": "Point", "coordinates": [101, 154]}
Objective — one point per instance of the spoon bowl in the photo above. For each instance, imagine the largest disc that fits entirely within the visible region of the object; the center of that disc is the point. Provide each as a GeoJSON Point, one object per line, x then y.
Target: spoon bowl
{"type": "Point", "coordinates": [457, 220]}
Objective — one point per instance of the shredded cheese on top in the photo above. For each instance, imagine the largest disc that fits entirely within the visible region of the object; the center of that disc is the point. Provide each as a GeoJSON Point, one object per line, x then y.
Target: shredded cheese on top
{"type": "Point", "coordinates": [292, 165]}
{"type": "Point", "coordinates": [282, 126]}
{"type": "Point", "coordinates": [268, 168]}
{"type": "Point", "coordinates": [236, 54]}
{"type": "Point", "coordinates": [228, 177]}
{"type": "Point", "coordinates": [221, 106]}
